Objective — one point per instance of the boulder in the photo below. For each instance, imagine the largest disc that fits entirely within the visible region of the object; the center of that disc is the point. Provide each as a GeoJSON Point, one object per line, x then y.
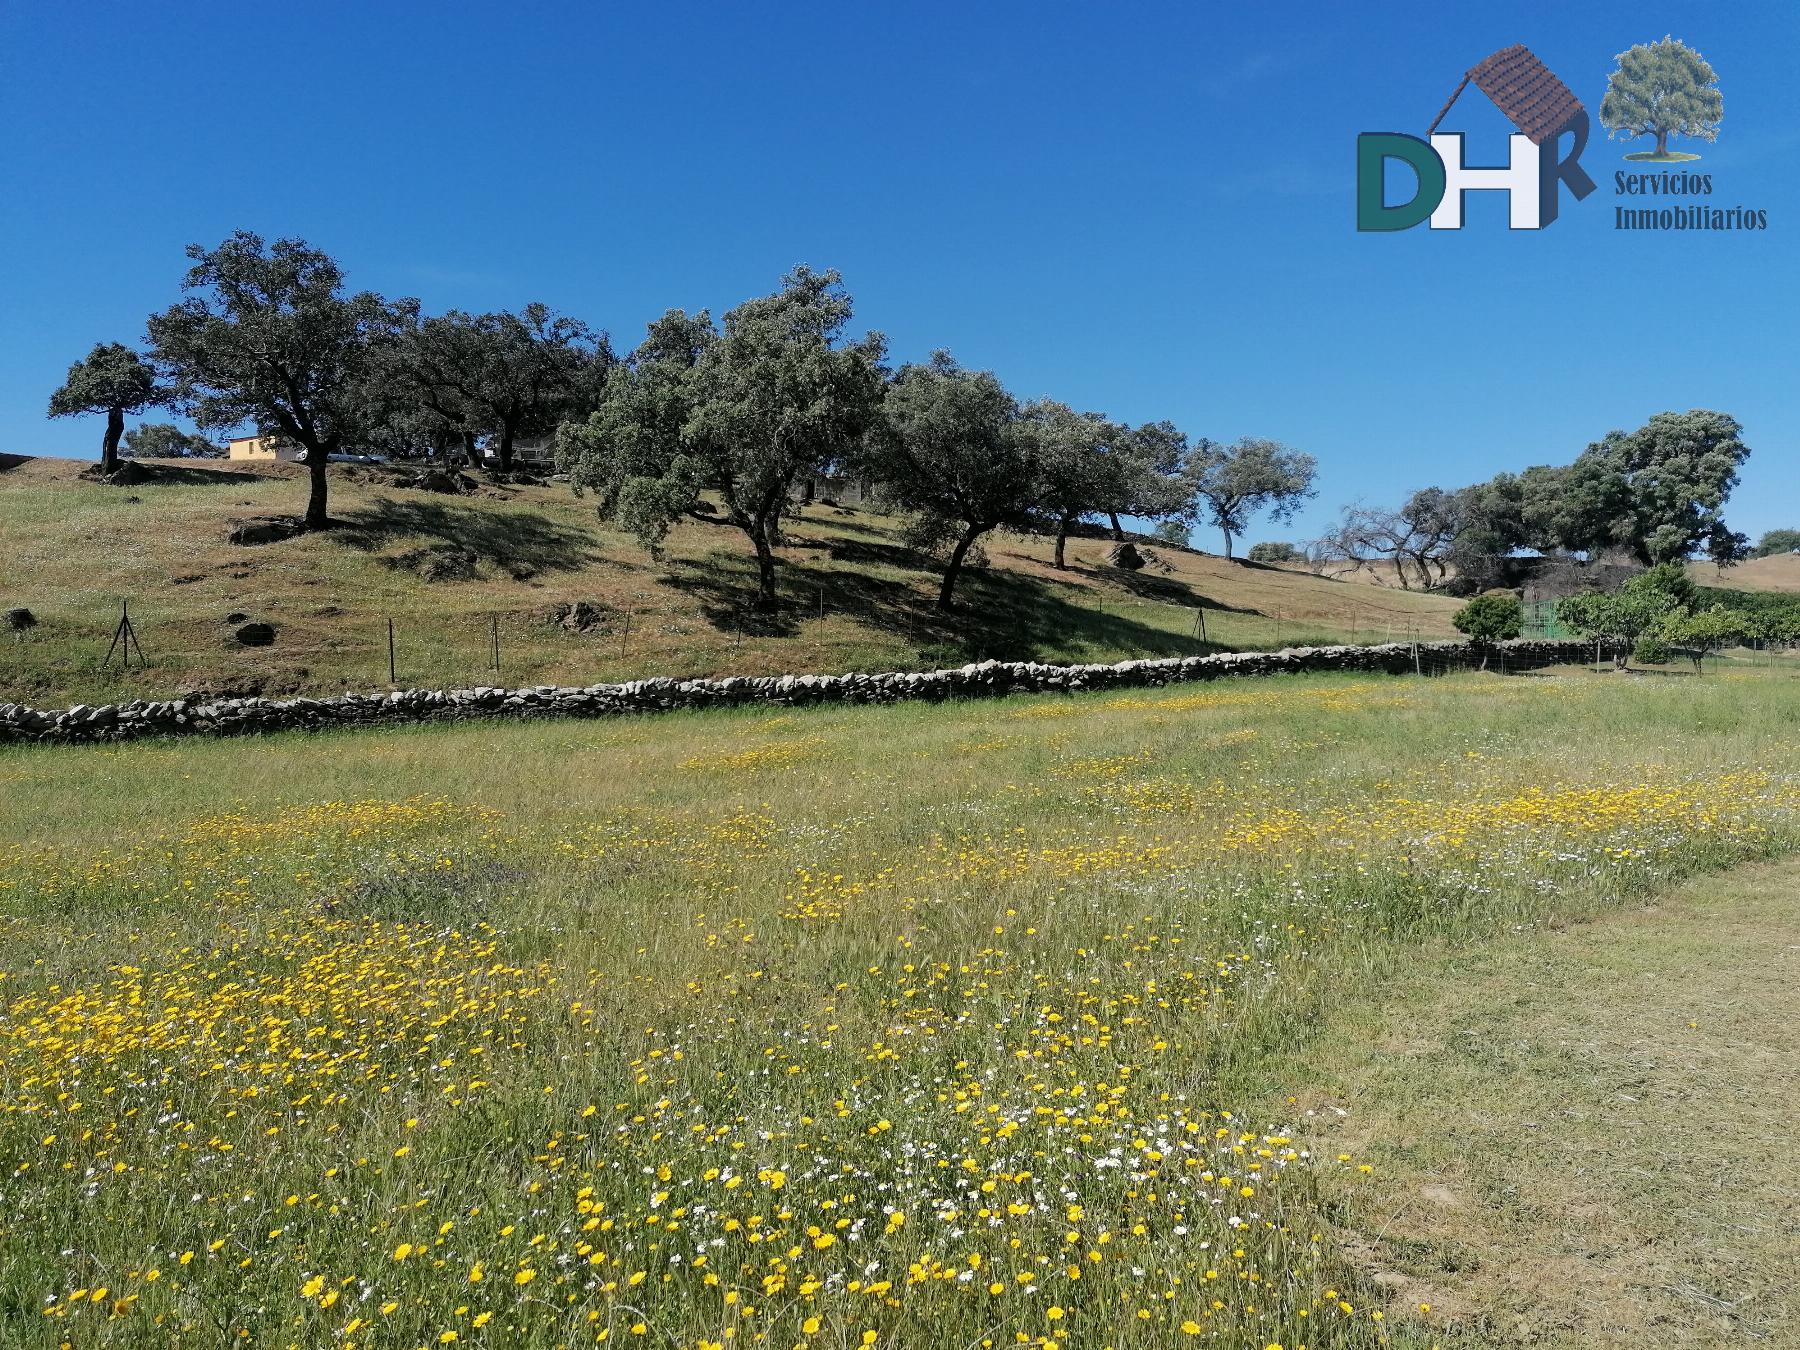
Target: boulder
{"type": "Point", "coordinates": [255, 634]}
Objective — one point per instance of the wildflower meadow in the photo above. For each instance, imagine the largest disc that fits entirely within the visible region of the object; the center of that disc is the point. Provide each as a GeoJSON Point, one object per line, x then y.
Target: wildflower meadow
{"type": "Point", "coordinates": [901, 1027]}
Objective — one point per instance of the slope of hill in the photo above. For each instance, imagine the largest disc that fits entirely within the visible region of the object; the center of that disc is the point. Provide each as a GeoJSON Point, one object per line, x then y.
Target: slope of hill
{"type": "Point", "coordinates": [1777, 572]}
{"type": "Point", "coordinates": [567, 599]}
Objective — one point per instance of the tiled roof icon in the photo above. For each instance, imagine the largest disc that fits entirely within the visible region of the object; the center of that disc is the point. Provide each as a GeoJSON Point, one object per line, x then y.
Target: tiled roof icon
{"type": "Point", "coordinates": [1521, 87]}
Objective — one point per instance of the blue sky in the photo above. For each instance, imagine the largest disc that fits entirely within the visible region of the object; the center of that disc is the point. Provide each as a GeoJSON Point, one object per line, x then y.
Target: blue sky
{"type": "Point", "coordinates": [1146, 210]}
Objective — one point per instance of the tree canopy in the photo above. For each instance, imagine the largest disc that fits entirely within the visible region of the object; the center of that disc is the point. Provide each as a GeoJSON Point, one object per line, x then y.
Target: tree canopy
{"type": "Point", "coordinates": [1778, 541]}
{"type": "Point", "coordinates": [267, 336]}
{"type": "Point", "coordinates": [1648, 496]}
{"type": "Point", "coordinates": [1079, 469]}
{"type": "Point", "coordinates": [747, 410]}
{"type": "Point", "coordinates": [1639, 608]}
{"type": "Point", "coordinates": [1702, 632]}
{"type": "Point", "coordinates": [1662, 89]}
{"type": "Point", "coordinates": [165, 440]}
{"type": "Point", "coordinates": [1232, 484]}
{"type": "Point", "coordinates": [955, 450]}
{"type": "Point", "coordinates": [112, 380]}
{"type": "Point", "coordinates": [1494, 616]}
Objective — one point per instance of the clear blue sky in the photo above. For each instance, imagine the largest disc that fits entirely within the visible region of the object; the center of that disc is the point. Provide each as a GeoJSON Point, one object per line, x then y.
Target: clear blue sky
{"type": "Point", "coordinates": [1144, 210]}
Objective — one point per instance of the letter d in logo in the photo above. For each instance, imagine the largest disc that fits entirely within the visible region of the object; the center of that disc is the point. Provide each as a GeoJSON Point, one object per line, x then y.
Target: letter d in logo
{"type": "Point", "coordinates": [1373, 150]}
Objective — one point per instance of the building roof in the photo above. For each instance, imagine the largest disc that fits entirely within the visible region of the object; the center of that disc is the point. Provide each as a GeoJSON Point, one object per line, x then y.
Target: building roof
{"type": "Point", "coordinates": [1523, 88]}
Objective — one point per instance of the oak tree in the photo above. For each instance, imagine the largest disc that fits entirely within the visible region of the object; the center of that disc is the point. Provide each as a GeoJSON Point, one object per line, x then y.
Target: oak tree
{"type": "Point", "coordinates": [1662, 89]}
{"type": "Point", "coordinates": [267, 336]}
{"type": "Point", "coordinates": [111, 381]}
{"type": "Point", "coordinates": [955, 451]}
{"type": "Point", "coordinates": [1232, 484]}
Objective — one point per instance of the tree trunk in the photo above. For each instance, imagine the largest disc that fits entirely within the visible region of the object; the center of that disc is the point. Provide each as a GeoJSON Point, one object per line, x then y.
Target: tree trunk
{"type": "Point", "coordinates": [471, 456]}
{"type": "Point", "coordinates": [317, 517]}
{"type": "Point", "coordinates": [1227, 534]}
{"type": "Point", "coordinates": [765, 567]}
{"type": "Point", "coordinates": [1662, 141]}
{"type": "Point", "coordinates": [109, 448]}
{"type": "Point", "coordinates": [957, 554]}
{"type": "Point", "coordinates": [506, 450]}
{"type": "Point", "coordinates": [1118, 531]}
{"type": "Point", "coordinates": [1062, 537]}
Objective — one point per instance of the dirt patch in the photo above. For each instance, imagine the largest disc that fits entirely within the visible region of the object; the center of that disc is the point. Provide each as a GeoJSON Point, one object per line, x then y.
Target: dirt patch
{"type": "Point", "coordinates": [437, 562]}
{"type": "Point", "coordinates": [259, 530]}
{"type": "Point", "coordinates": [128, 474]}
{"type": "Point", "coordinates": [444, 481]}
{"type": "Point", "coordinates": [574, 616]}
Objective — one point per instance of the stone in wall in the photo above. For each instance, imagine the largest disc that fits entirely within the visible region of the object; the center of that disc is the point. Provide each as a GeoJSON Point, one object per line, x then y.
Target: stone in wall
{"type": "Point", "coordinates": [984, 679]}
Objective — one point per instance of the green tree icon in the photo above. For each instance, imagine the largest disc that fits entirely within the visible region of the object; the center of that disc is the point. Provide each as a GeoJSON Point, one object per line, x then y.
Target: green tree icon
{"type": "Point", "coordinates": [1662, 89]}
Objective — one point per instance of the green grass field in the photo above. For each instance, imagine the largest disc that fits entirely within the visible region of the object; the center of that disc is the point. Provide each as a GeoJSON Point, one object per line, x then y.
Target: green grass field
{"type": "Point", "coordinates": [969, 1025]}
{"type": "Point", "coordinates": [454, 572]}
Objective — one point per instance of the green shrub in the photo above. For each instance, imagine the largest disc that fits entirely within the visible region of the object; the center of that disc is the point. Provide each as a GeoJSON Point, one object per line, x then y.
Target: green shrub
{"type": "Point", "coordinates": [1490, 617]}
{"type": "Point", "coordinates": [1651, 651]}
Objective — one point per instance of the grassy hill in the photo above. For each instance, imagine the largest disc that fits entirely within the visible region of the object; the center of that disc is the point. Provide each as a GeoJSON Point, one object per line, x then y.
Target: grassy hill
{"type": "Point", "coordinates": [450, 570]}
{"type": "Point", "coordinates": [1778, 572]}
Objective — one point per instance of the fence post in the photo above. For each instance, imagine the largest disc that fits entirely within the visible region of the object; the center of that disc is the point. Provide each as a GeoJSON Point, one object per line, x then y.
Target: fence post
{"type": "Point", "coordinates": [124, 638]}
{"type": "Point", "coordinates": [391, 676]}
{"type": "Point", "coordinates": [494, 635]}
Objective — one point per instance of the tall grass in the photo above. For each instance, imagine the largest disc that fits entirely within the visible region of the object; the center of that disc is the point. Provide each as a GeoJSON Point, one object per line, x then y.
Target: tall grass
{"type": "Point", "coordinates": [902, 1026]}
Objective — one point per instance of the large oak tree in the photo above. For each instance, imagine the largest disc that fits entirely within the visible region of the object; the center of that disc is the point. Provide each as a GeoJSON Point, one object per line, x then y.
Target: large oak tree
{"type": "Point", "coordinates": [747, 411]}
{"type": "Point", "coordinates": [267, 336]}
{"type": "Point", "coordinates": [956, 452]}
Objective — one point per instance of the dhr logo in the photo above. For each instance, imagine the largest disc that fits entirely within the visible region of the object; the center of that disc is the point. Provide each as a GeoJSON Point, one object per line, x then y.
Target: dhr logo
{"type": "Point", "coordinates": [1535, 101]}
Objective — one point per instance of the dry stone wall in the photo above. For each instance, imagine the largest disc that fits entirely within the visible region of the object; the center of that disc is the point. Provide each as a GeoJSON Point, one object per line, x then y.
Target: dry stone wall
{"type": "Point", "coordinates": [985, 679]}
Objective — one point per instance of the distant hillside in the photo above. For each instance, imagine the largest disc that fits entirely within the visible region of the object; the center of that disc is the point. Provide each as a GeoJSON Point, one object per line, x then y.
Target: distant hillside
{"type": "Point", "coordinates": [570, 600]}
{"type": "Point", "coordinates": [1778, 572]}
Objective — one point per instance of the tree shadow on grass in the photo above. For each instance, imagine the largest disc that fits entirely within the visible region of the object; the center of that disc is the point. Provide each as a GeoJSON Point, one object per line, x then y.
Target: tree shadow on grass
{"type": "Point", "coordinates": [1166, 590]}
{"type": "Point", "coordinates": [520, 542]}
{"type": "Point", "coordinates": [163, 474]}
{"type": "Point", "coordinates": [1006, 616]}
{"type": "Point", "coordinates": [1000, 615]}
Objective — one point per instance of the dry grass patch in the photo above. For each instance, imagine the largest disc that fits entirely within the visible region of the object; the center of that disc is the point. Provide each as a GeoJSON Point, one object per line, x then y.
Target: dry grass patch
{"type": "Point", "coordinates": [450, 569]}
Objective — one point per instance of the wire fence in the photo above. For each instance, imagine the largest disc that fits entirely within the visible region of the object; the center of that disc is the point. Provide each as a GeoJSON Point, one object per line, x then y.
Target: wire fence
{"type": "Point", "coordinates": [140, 648]}
{"type": "Point", "coordinates": [1540, 621]}
{"type": "Point", "coordinates": [159, 643]}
